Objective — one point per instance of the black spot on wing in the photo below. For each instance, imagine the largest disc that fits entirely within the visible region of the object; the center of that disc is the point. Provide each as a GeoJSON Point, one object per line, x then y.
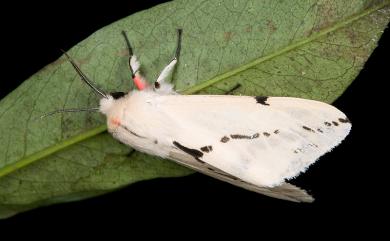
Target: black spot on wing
{"type": "Point", "coordinates": [238, 136]}
{"type": "Point", "coordinates": [308, 128]}
{"type": "Point", "coordinates": [131, 132]}
{"type": "Point", "coordinates": [193, 152]}
{"type": "Point", "coordinates": [262, 100]}
{"type": "Point", "coordinates": [266, 134]}
{"type": "Point", "coordinates": [225, 139]}
{"type": "Point", "coordinates": [156, 85]}
{"type": "Point", "coordinates": [346, 120]}
{"type": "Point", "coordinates": [200, 161]}
{"type": "Point", "coordinates": [335, 123]}
{"type": "Point", "coordinates": [313, 145]}
{"type": "Point", "coordinates": [327, 123]}
{"type": "Point", "coordinates": [320, 130]}
{"type": "Point", "coordinates": [206, 149]}
{"type": "Point", "coordinates": [276, 131]}
{"type": "Point", "coordinates": [298, 150]}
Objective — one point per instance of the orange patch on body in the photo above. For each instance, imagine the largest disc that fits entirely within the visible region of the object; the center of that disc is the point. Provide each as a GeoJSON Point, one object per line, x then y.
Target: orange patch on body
{"type": "Point", "coordinates": [115, 121]}
{"type": "Point", "coordinates": [139, 82]}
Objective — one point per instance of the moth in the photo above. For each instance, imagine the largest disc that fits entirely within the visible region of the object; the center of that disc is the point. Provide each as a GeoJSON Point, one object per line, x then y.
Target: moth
{"type": "Point", "coordinates": [254, 142]}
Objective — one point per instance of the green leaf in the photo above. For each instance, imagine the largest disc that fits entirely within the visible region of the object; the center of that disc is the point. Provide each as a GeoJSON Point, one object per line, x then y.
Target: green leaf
{"type": "Point", "coordinates": [311, 49]}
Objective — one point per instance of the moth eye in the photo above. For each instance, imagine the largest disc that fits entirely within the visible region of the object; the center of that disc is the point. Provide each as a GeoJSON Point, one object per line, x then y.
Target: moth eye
{"type": "Point", "coordinates": [117, 95]}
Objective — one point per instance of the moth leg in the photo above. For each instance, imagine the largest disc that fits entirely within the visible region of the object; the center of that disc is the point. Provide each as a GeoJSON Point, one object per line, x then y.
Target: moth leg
{"type": "Point", "coordinates": [134, 66]}
{"type": "Point", "coordinates": [231, 91]}
{"type": "Point", "coordinates": [169, 68]}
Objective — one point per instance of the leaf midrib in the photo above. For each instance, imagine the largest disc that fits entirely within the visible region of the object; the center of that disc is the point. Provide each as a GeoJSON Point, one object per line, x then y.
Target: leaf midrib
{"type": "Point", "coordinates": [100, 129]}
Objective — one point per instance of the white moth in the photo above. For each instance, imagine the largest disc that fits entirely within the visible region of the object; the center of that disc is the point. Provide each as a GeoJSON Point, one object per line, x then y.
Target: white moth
{"type": "Point", "coordinates": [253, 142]}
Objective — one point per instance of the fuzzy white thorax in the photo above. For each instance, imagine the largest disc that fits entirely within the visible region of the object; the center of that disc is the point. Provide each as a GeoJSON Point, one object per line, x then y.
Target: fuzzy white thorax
{"type": "Point", "coordinates": [106, 104]}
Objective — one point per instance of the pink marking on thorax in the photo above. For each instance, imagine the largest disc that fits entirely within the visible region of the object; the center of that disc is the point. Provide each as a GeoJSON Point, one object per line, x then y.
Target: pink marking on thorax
{"type": "Point", "coordinates": [139, 82]}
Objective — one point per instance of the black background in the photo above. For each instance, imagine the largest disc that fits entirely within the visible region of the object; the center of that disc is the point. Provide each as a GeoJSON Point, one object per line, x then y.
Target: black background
{"type": "Point", "coordinates": [347, 183]}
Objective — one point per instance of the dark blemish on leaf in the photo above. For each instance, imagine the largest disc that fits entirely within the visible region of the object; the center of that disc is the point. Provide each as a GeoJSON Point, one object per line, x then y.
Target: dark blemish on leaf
{"type": "Point", "coordinates": [89, 121]}
{"type": "Point", "coordinates": [206, 148]}
{"type": "Point", "coordinates": [228, 36]}
{"type": "Point", "coordinates": [352, 35]}
{"type": "Point", "coordinates": [266, 134]}
{"type": "Point", "coordinates": [346, 120]}
{"type": "Point", "coordinates": [271, 26]}
{"type": "Point", "coordinates": [156, 85]}
{"type": "Point", "coordinates": [238, 136]}
{"type": "Point", "coordinates": [256, 135]}
{"type": "Point", "coordinates": [319, 130]}
{"type": "Point", "coordinates": [193, 152]}
{"type": "Point", "coordinates": [117, 95]}
{"type": "Point", "coordinates": [327, 123]}
{"type": "Point", "coordinates": [328, 12]}
{"type": "Point", "coordinates": [262, 100]}
{"type": "Point", "coordinates": [276, 131]}
{"type": "Point", "coordinates": [308, 128]}
{"type": "Point", "coordinates": [123, 53]}
{"type": "Point", "coordinates": [335, 123]}
{"type": "Point", "coordinates": [225, 139]}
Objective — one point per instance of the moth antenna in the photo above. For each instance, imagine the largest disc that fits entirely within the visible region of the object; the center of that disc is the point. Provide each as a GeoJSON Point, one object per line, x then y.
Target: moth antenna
{"type": "Point", "coordinates": [84, 77]}
{"type": "Point", "coordinates": [177, 53]}
{"type": "Point", "coordinates": [68, 110]}
{"type": "Point", "coordinates": [128, 43]}
{"type": "Point", "coordinates": [170, 67]}
{"type": "Point", "coordinates": [130, 49]}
